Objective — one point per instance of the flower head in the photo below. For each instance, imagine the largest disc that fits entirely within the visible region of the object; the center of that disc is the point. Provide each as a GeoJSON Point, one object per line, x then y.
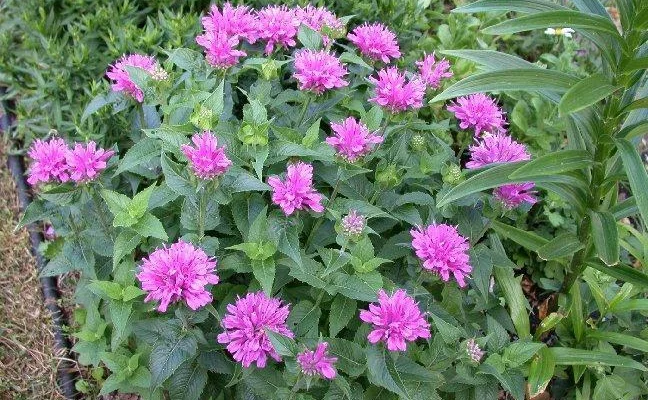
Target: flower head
{"type": "Point", "coordinates": [353, 224]}
{"type": "Point", "coordinates": [320, 19]}
{"type": "Point", "coordinates": [245, 328]}
{"type": "Point", "coordinates": [443, 251]}
{"type": "Point", "coordinates": [178, 272]}
{"type": "Point", "coordinates": [479, 111]}
{"type": "Point", "coordinates": [375, 41]}
{"type": "Point", "coordinates": [86, 162]}
{"type": "Point", "coordinates": [220, 48]}
{"type": "Point", "coordinates": [236, 22]}
{"type": "Point", "coordinates": [278, 25]}
{"type": "Point", "coordinates": [318, 71]}
{"type": "Point", "coordinates": [48, 161]}
{"type": "Point", "coordinates": [566, 32]}
{"type": "Point", "coordinates": [207, 159]}
{"type": "Point", "coordinates": [475, 353]}
{"type": "Point", "coordinates": [122, 81]}
{"type": "Point", "coordinates": [317, 362]}
{"type": "Point", "coordinates": [352, 139]}
{"type": "Point", "coordinates": [296, 192]}
{"type": "Point", "coordinates": [395, 92]}
{"type": "Point", "coordinates": [433, 71]}
{"type": "Point", "coordinates": [501, 148]}
{"type": "Point", "coordinates": [396, 320]}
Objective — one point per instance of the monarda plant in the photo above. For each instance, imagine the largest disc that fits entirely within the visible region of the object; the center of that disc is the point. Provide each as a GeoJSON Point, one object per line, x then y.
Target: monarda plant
{"type": "Point", "coordinates": [284, 225]}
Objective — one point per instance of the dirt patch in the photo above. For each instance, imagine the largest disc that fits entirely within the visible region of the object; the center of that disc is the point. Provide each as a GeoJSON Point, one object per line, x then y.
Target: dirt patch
{"type": "Point", "coordinates": [27, 358]}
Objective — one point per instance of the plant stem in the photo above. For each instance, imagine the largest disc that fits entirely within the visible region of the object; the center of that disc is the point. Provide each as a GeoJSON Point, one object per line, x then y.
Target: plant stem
{"type": "Point", "coordinates": [319, 222]}
{"type": "Point", "coordinates": [214, 312]}
{"type": "Point", "coordinates": [295, 388]}
{"type": "Point", "coordinates": [140, 109]}
{"type": "Point", "coordinates": [94, 193]}
{"type": "Point", "coordinates": [201, 214]}
{"type": "Point", "coordinates": [304, 109]}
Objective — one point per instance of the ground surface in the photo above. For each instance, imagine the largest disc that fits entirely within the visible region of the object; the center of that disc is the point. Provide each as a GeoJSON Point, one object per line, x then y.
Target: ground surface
{"type": "Point", "coordinates": [27, 360]}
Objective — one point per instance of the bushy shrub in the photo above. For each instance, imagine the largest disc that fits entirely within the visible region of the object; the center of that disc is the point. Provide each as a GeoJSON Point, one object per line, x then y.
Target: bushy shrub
{"type": "Point", "coordinates": [287, 218]}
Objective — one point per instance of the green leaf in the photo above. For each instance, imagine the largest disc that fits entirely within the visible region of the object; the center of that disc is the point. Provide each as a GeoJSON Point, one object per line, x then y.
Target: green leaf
{"type": "Point", "coordinates": [283, 345]}
{"type": "Point", "coordinates": [61, 195]}
{"type": "Point", "coordinates": [116, 202]}
{"type": "Point", "coordinates": [526, 239]}
{"type": "Point", "coordinates": [309, 38]}
{"type": "Point", "coordinates": [512, 381]}
{"type": "Point", "coordinates": [631, 305]}
{"type": "Point", "coordinates": [188, 381]}
{"type": "Point", "coordinates": [554, 163]}
{"type": "Point", "coordinates": [106, 289]}
{"type": "Point", "coordinates": [352, 58]}
{"type": "Point", "coordinates": [569, 356]}
{"type": "Point", "coordinates": [620, 338]}
{"type": "Point", "coordinates": [552, 19]}
{"type": "Point", "coordinates": [312, 134]}
{"type": "Point", "coordinates": [350, 355]}
{"type": "Point", "coordinates": [363, 287]}
{"type": "Point", "coordinates": [125, 243]}
{"type": "Point", "coordinates": [34, 212]}
{"type": "Point", "coordinates": [636, 173]}
{"type": "Point", "coordinates": [215, 102]}
{"type": "Point", "coordinates": [168, 354]}
{"type": "Point", "coordinates": [119, 316]}
{"type": "Point", "coordinates": [523, 6]}
{"type": "Point", "coordinates": [490, 178]}
{"type": "Point", "coordinates": [622, 272]}
{"type": "Point", "coordinates": [175, 178]}
{"type": "Point", "coordinates": [139, 204]}
{"type": "Point", "coordinates": [449, 333]}
{"type": "Point", "coordinates": [150, 226]}
{"type": "Point", "coordinates": [588, 91]}
{"type": "Point", "coordinates": [264, 272]}
{"type": "Point", "coordinates": [141, 152]}
{"type": "Point", "coordinates": [605, 234]}
{"type": "Point", "coordinates": [380, 375]}
{"type": "Point", "coordinates": [491, 60]}
{"type": "Point", "coordinates": [563, 245]}
{"type": "Point", "coordinates": [342, 310]}
{"type": "Point", "coordinates": [520, 352]}
{"type": "Point", "coordinates": [521, 79]}
{"type": "Point", "coordinates": [541, 372]}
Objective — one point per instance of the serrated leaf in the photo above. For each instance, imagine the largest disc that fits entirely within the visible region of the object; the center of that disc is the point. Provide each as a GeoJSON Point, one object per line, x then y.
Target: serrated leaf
{"type": "Point", "coordinates": [168, 354]}
{"type": "Point", "coordinates": [363, 287]}
{"type": "Point", "coordinates": [175, 178]}
{"type": "Point", "coordinates": [342, 310]}
{"type": "Point", "coordinates": [350, 355]}
{"type": "Point", "coordinates": [150, 226]}
{"type": "Point", "coordinates": [309, 38]}
{"type": "Point", "coordinates": [264, 273]}
{"type": "Point", "coordinates": [449, 333]}
{"type": "Point", "coordinates": [283, 345]}
{"type": "Point", "coordinates": [188, 381]}
{"type": "Point", "coordinates": [119, 316]}
{"type": "Point", "coordinates": [141, 152]}
{"type": "Point", "coordinates": [126, 241]}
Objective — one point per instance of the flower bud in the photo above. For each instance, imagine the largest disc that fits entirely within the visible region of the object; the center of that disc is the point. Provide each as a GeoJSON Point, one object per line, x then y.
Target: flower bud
{"type": "Point", "coordinates": [388, 176]}
{"type": "Point", "coordinates": [417, 143]}
{"type": "Point", "coordinates": [353, 224]}
{"type": "Point", "coordinates": [253, 135]}
{"type": "Point", "coordinates": [451, 174]}
{"type": "Point", "coordinates": [474, 351]}
{"type": "Point", "coordinates": [269, 70]}
{"type": "Point", "coordinates": [202, 118]}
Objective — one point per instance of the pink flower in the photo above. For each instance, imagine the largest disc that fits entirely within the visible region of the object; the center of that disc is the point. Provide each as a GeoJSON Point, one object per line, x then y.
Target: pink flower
{"type": "Point", "coordinates": [394, 93]}
{"type": "Point", "coordinates": [396, 320]}
{"type": "Point", "coordinates": [479, 111]}
{"type": "Point", "coordinates": [245, 328]}
{"type": "Point", "coordinates": [443, 251]}
{"type": "Point", "coordinates": [432, 72]}
{"type": "Point", "coordinates": [122, 80]}
{"type": "Point", "coordinates": [48, 161]}
{"type": "Point", "coordinates": [235, 22]}
{"type": "Point", "coordinates": [317, 362]}
{"type": "Point", "coordinates": [278, 25]}
{"type": "Point", "coordinates": [352, 139]}
{"type": "Point", "coordinates": [207, 160]}
{"type": "Point", "coordinates": [86, 162]}
{"type": "Point", "coordinates": [318, 18]}
{"type": "Point", "coordinates": [353, 224]}
{"type": "Point", "coordinates": [501, 148]}
{"type": "Point", "coordinates": [475, 353]}
{"type": "Point", "coordinates": [296, 192]}
{"type": "Point", "coordinates": [178, 272]}
{"type": "Point", "coordinates": [375, 41]}
{"type": "Point", "coordinates": [318, 71]}
{"type": "Point", "coordinates": [220, 48]}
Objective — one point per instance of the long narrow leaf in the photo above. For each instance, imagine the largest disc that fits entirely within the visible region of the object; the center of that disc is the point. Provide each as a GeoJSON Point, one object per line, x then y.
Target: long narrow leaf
{"type": "Point", "coordinates": [554, 163]}
{"type": "Point", "coordinates": [551, 19]}
{"type": "Point", "coordinates": [569, 356]}
{"type": "Point", "coordinates": [606, 236]}
{"type": "Point", "coordinates": [585, 93]}
{"type": "Point", "coordinates": [523, 6]}
{"type": "Point", "coordinates": [622, 272]}
{"type": "Point", "coordinates": [637, 176]}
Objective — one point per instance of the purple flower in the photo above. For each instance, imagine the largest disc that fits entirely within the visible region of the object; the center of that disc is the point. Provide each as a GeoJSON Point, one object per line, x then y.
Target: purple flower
{"type": "Point", "coordinates": [207, 160]}
{"type": "Point", "coordinates": [277, 25]}
{"type": "Point", "coordinates": [234, 22]}
{"type": "Point", "coordinates": [353, 224]}
{"type": "Point", "coordinates": [318, 71]}
{"type": "Point", "coordinates": [396, 320]}
{"type": "Point", "coordinates": [86, 162]}
{"type": "Point", "coordinates": [443, 251]}
{"type": "Point", "coordinates": [433, 71]}
{"type": "Point", "coordinates": [122, 81]}
{"type": "Point", "coordinates": [245, 328]}
{"type": "Point", "coordinates": [317, 362]}
{"type": "Point", "coordinates": [475, 353]}
{"type": "Point", "coordinates": [317, 18]}
{"type": "Point", "coordinates": [220, 48]}
{"type": "Point", "coordinates": [178, 272]}
{"type": "Point", "coordinates": [375, 41]}
{"type": "Point", "coordinates": [479, 111]}
{"type": "Point", "coordinates": [296, 192]}
{"type": "Point", "coordinates": [501, 148]}
{"type": "Point", "coordinates": [48, 161]}
{"type": "Point", "coordinates": [396, 93]}
{"type": "Point", "coordinates": [352, 139]}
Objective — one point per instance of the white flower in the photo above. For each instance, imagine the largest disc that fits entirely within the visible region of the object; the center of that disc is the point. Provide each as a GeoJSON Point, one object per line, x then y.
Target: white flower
{"type": "Point", "coordinates": [567, 32]}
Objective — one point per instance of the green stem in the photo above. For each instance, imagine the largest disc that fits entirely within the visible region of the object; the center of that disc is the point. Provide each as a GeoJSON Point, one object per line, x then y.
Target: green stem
{"type": "Point", "coordinates": [304, 109]}
{"type": "Point", "coordinates": [295, 388]}
{"type": "Point", "coordinates": [319, 222]}
{"type": "Point", "coordinates": [201, 214]}
{"type": "Point", "coordinates": [215, 313]}
{"type": "Point", "coordinates": [140, 109]}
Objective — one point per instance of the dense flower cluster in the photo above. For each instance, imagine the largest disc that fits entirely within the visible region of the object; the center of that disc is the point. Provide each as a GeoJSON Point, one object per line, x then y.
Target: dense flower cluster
{"type": "Point", "coordinates": [317, 362]}
{"type": "Point", "coordinates": [207, 160]}
{"type": "Point", "coordinates": [178, 272]}
{"type": "Point", "coordinates": [479, 112]}
{"type": "Point", "coordinates": [122, 81]}
{"type": "Point", "coordinates": [277, 26]}
{"type": "Point", "coordinates": [396, 320]}
{"type": "Point", "coordinates": [354, 223]}
{"type": "Point", "coordinates": [296, 192]}
{"type": "Point", "coordinates": [352, 139]}
{"type": "Point", "coordinates": [375, 41]}
{"type": "Point", "coordinates": [245, 328]}
{"type": "Point", "coordinates": [317, 71]}
{"type": "Point", "coordinates": [395, 92]}
{"type": "Point", "coordinates": [501, 148]}
{"type": "Point", "coordinates": [443, 251]}
{"type": "Point", "coordinates": [475, 353]}
{"type": "Point", "coordinates": [321, 20]}
{"type": "Point", "coordinates": [53, 161]}
{"type": "Point", "coordinates": [432, 71]}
